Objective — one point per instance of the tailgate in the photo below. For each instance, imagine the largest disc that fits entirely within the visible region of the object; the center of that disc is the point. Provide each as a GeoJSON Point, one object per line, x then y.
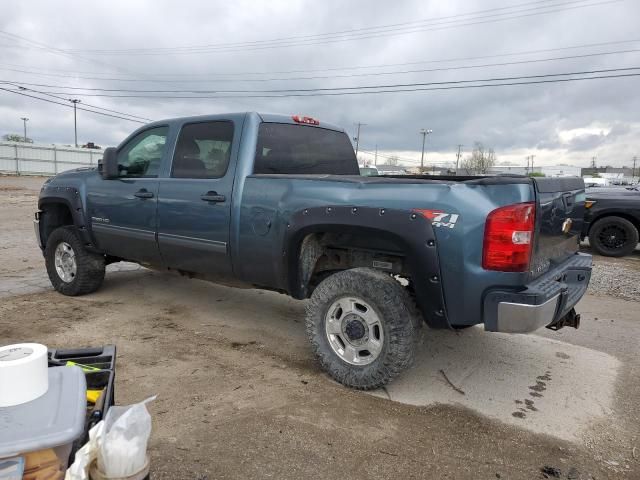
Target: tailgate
{"type": "Point", "coordinates": [559, 218]}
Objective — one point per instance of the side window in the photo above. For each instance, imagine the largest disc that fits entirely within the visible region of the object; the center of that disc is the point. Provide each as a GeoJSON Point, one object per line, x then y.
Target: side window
{"type": "Point", "coordinates": [141, 157]}
{"type": "Point", "coordinates": [203, 150]}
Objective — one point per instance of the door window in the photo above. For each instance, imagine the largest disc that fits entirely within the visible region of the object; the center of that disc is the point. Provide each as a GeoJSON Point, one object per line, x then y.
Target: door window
{"type": "Point", "coordinates": [141, 157]}
{"type": "Point", "coordinates": [203, 150]}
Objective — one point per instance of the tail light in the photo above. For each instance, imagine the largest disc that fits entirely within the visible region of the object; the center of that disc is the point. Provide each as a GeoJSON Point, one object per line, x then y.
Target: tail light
{"type": "Point", "coordinates": [508, 238]}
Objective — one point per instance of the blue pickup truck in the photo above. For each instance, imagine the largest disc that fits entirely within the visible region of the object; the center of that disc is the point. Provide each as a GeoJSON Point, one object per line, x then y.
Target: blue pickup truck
{"type": "Point", "coordinates": [277, 202]}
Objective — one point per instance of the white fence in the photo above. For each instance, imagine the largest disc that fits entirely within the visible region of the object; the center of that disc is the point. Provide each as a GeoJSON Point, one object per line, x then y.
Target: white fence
{"type": "Point", "coordinates": [32, 159]}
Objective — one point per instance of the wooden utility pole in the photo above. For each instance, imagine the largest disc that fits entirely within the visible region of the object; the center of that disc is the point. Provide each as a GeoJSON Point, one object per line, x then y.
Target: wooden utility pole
{"type": "Point", "coordinates": [458, 156]}
{"type": "Point", "coordinates": [357, 139]}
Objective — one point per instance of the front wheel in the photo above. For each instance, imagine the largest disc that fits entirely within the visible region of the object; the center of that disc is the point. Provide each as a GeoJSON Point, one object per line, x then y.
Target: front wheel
{"type": "Point", "coordinates": [613, 236]}
{"type": "Point", "coordinates": [72, 269]}
{"type": "Point", "coordinates": [363, 327]}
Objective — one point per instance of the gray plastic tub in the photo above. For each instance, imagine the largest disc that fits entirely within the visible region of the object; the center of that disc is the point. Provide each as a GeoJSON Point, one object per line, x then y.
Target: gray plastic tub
{"type": "Point", "coordinates": [53, 420]}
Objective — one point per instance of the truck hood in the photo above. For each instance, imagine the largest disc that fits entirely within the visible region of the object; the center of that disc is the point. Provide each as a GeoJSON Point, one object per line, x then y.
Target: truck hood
{"type": "Point", "coordinates": [69, 175]}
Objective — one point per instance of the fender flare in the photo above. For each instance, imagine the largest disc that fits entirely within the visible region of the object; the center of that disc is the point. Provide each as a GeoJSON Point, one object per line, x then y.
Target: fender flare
{"type": "Point", "coordinates": [70, 198]}
{"type": "Point", "coordinates": [413, 231]}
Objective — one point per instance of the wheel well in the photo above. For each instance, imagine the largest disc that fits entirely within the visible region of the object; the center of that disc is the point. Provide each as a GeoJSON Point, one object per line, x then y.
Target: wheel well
{"type": "Point", "coordinates": [631, 218]}
{"type": "Point", "coordinates": [54, 215]}
{"type": "Point", "coordinates": [320, 254]}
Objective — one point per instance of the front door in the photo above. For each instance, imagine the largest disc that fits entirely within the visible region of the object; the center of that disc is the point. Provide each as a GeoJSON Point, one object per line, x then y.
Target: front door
{"type": "Point", "coordinates": [194, 203]}
{"type": "Point", "coordinates": [123, 211]}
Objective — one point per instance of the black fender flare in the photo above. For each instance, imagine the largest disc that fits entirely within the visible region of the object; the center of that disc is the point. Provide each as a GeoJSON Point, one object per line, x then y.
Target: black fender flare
{"type": "Point", "coordinates": [413, 231]}
{"type": "Point", "coordinates": [70, 198]}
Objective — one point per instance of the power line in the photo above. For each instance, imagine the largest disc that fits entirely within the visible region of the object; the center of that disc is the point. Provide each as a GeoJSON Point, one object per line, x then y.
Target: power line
{"type": "Point", "coordinates": [368, 92]}
{"type": "Point", "coordinates": [313, 36]}
{"type": "Point", "coordinates": [68, 106]}
{"type": "Point", "coordinates": [321, 90]}
{"type": "Point", "coordinates": [352, 75]}
{"type": "Point", "coordinates": [76, 74]}
{"type": "Point", "coordinates": [58, 51]}
{"type": "Point", "coordinates": [369, 32]}
{"type": "Point", "coordinates": [84, 103]}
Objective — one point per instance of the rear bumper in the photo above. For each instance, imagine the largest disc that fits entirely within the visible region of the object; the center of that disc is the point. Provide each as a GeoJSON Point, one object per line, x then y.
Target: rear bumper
{"type": "Point", "coordinates": [544, 302]}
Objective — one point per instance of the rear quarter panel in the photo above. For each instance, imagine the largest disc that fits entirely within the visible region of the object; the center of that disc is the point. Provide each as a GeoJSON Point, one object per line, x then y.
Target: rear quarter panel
{"type": "Point", "coordinates": [267, 204]}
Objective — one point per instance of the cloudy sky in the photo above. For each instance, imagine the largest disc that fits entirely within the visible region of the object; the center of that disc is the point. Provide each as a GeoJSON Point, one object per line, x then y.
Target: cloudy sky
{"type": "Point", "coordinates": [275, 56]}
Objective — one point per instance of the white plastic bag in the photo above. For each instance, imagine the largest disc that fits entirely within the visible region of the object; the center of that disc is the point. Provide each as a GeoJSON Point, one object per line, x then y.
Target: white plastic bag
{"type": "Point", "coordinates": [123, 447]}
{"type": "Point", "coordinates": [89, 451]}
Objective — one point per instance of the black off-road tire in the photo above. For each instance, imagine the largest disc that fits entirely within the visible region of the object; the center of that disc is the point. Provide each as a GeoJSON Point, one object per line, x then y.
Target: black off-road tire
{"type": "Point", "coordinates": [401, 323]}
{"type": "Point", "coordinates": [89, 266]}
{"type": "Point", "coordinates": [625, 233]}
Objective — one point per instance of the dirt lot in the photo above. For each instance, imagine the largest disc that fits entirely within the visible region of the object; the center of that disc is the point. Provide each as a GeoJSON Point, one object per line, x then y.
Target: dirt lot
{"type": "Point", "coordinates": [239, 395]}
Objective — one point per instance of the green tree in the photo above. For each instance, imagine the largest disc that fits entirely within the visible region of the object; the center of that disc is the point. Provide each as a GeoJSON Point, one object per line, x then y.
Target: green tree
{"type": "Point", "coordinates": [14, 137]}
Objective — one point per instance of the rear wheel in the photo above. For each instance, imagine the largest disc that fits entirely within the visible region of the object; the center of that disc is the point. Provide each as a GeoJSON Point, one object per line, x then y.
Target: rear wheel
{"type": "Point", "coordinates": [363, 327]}
{"type": "Point", "coordinates": [72, 269]}
{"type": "Point", "coordinates": [613, 237]}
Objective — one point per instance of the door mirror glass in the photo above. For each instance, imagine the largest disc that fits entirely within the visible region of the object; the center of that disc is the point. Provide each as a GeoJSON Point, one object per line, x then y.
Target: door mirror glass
{"type": "Point", "coordinates": [110, 163]}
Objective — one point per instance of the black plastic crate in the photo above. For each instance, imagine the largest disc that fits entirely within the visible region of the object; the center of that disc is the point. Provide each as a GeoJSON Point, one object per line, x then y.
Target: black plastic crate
{"type": "Point", "coordinates": [104, 360]}
{"type": "Point", "coordinates": [98, 357]}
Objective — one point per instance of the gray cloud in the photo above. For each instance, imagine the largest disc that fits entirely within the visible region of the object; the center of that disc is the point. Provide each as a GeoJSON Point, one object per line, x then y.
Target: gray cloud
{"type": "Point", "coordinates": [512, 119]}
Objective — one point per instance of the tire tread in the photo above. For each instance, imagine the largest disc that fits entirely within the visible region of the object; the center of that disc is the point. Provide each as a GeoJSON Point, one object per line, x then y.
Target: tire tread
{"type": "Point", "coordinates": [90, 266]}
{"type": "Point", "coordinates": [400, 317]}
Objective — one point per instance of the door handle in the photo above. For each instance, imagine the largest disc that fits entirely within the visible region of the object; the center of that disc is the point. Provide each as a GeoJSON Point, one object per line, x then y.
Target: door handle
{"type": "Point", "coordinates": [143, 193]}
{"type": "Point", "coordinates": [212, 197]}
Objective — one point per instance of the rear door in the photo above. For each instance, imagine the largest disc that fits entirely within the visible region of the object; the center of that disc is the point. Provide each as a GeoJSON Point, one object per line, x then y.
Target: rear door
{"type": "Point", "coordinates": [194, 202]}
{"type": "Point", "coordinates": [559, 218]}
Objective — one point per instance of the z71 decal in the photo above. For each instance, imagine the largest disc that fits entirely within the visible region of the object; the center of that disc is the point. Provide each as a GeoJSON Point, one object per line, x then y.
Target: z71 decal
{"type": "Point", "coordinates": [439, 218]}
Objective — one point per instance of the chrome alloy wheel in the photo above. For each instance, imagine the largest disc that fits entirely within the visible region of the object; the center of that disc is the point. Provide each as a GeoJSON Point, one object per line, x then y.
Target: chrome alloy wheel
{"type": "Point", "coordinates": [65, 262]}
{"type": "Point", "coordinates": [354, 331]}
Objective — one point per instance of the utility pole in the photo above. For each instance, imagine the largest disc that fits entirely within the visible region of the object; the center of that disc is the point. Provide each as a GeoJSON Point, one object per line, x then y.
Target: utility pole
{"type": "Point", "coordinates": [593, 162]}
{"type": "Point", "coordinates": [24, 121]}
{"type": "Point", "coordinates": [458, 156]}
{"type": "Point", "coordinates": [527, 167]}
{"type": "Point", "coordinates": [375, 159]}
{"type": "Point", "coordinates": [424, 132]}
{"type": "Point", "coordinates": [532, 157]}
{"type": "Point", "coordinates": [633, 172]}
{"type": "Point", "coordinates": [357, 137]}
{"type": "Point", "coordinates": [75, 119]}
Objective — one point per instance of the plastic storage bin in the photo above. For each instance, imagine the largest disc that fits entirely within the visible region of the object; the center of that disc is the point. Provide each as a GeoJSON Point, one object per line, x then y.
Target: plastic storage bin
{"type": "Point", "coordinates": [42, 432]}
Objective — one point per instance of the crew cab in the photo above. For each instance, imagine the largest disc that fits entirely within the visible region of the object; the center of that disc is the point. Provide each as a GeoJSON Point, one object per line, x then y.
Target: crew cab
{"type": "Point", "coordinates": [277, 202]}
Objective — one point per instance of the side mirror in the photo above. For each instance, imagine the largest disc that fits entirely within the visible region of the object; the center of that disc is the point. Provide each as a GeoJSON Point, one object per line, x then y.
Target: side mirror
{"type": "Point", "coordinates": [110, 164]}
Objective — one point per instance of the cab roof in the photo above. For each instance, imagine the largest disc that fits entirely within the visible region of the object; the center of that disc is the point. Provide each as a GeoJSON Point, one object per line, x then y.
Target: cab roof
{"type": "Point", "coordinates": [264, 117]}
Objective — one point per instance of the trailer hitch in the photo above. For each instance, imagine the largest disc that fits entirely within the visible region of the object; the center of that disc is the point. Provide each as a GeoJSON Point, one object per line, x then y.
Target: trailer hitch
{"type": "Point", "coordinates": [571, 319]}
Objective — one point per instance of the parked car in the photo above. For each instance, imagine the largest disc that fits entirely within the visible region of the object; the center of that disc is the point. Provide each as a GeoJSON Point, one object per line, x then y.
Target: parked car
{"type": "Point", "coordinates": [369, 171]}
{"type": "Point", "coordinates": [591, 182]}
{"type": "Point", "coordinates": [612, 220]}
{"type": "Point", "coordinates": [277, 202]}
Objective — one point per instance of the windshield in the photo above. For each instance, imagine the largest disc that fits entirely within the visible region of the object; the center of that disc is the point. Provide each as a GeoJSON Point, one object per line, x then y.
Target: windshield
{"type": "Point", "coordinates": [299, 149]}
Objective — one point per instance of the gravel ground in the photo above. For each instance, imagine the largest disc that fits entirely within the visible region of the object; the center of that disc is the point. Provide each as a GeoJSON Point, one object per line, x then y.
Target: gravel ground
{"type": "Point", "coordinates": [240, 396]}
{"type": "Point", "coordinates": [616, 280]}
